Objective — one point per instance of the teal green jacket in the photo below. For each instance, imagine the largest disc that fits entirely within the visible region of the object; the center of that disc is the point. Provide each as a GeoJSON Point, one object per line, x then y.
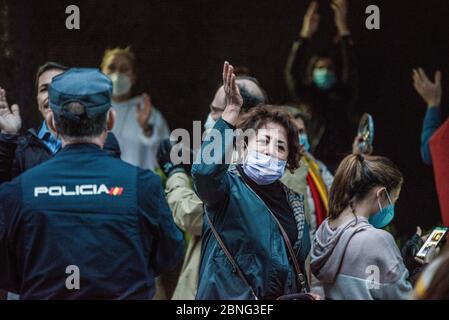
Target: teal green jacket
{"type": "Point", "coordinates": [248, 230]}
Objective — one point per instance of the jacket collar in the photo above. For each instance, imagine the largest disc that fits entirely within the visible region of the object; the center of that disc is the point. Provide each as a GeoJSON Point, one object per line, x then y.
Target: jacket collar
{"type": "Point", "coordinates": [296, 202]}
{"type": "Point", "coordinates": [80, 147]}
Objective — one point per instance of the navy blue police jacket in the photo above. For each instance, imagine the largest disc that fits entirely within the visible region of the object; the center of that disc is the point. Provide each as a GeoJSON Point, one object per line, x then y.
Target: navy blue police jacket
{"type": "Point", "coordinates": [85, 225]}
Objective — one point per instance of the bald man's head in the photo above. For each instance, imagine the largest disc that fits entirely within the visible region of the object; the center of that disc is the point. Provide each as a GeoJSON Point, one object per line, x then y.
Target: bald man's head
{"type": "Point", "coordinates": [252, 94]}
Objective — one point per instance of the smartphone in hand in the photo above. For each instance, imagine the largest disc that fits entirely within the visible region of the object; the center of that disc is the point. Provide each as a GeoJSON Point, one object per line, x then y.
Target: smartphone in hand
{"type": "Point", "coordinates": [436, 237]}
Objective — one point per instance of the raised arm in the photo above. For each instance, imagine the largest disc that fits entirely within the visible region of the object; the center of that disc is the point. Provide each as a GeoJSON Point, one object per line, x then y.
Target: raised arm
{"type": "Point", "coordinates": [431, 93]}
{"type": "Point", "coordinates": [10, 124]}
{"type": "Point", "coordinates": [296, 67]}
{"type": "Point", "coordinates": [210, 167]}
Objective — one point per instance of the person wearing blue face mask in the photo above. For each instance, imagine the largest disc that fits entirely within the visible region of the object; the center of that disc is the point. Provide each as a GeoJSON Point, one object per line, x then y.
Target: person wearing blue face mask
{"type": "Point", "coordinates": [317, 180]}
{"type": "Point", "coordinates": [325, 83]}
{"type": "Point", "coordinates": [255, 236]}
{"type": "Point", "coordinates": [350, 243]}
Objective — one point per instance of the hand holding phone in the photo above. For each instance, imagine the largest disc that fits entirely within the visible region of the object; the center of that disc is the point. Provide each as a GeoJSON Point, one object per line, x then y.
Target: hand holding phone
{"type": "Point", "coordinates": [433, 241]}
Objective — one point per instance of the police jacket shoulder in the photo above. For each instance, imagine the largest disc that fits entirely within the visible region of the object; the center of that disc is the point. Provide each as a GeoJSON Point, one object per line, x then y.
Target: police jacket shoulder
{"type": "Point", "coordinates": [32, 151]}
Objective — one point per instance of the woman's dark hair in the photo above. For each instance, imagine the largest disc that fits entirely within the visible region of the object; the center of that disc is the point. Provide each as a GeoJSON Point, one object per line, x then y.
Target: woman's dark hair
{"type": "Point", "coordinates": [259, 116]}
{"type": "Point", "coordinates": [312, 64]}
{"type": "Point", "coordinates": [48, 66]}
{"type": "Point", "coordinates": [356, 176]}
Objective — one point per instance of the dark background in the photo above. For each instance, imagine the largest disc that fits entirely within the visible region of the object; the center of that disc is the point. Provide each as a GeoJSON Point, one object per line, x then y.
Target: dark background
{"type": "Point", "coordinates": [181, 46]}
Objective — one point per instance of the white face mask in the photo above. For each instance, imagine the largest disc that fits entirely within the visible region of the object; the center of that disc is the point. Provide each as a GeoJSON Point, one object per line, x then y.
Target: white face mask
{"type": "Point", "coordinates": [263, 169]}
{"type": "Point", "coordinates": [121, 84]}
{"type": "Point", "coordinates": [210, 123]}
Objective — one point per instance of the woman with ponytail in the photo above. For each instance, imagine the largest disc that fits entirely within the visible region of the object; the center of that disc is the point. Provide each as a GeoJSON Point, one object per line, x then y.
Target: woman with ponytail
{"type": "Point", "coordinates": [351, 255]}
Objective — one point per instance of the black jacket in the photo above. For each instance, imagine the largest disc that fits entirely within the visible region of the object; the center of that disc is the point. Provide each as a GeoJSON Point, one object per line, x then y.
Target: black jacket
{"type": "Point", "coordinates": [20, 153]}
{"type": "Point", "coordinates": [333, 112]}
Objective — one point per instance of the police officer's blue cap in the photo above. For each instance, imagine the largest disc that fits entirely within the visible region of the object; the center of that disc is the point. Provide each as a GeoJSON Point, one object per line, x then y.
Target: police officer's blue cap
{"type": "Point", "coordinates": [87, 86]}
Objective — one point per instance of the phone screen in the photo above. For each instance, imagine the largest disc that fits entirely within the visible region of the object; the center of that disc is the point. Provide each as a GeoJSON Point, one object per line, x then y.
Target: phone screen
{"type": "Point", "coordinates": [434, 239]}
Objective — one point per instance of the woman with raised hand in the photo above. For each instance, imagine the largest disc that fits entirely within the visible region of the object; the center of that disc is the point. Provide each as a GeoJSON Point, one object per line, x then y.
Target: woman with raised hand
{"type": "Point", "coordinates": [255, 239]}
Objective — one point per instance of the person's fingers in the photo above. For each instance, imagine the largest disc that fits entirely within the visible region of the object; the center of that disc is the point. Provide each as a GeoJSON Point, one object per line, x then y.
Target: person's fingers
{"type": "Point", "coordinates": [313, 6]}
{"type": "Point", "coordinates": [438, 78]}
{"type": "Point", "coordinates": [430, 254]}
{"type": "Point", "coordinates": [315, 296]}
{"type": "Point", "coordinates": [15, 110]}
{"type": "Point", "coordinates": [343, 4]}
{"type": "Point", "coordinates": [424, 237]}
{"type": "Point", "coordinates": [419, 81]}
{"type": "Point", "coordinates": [2, 95]}
{"type": "Point", "coordinates": [421, 261]}
{"type": "Point", "coordinates": [418, 75]}
{"type": "Point", "coordinates": [415, 84]}
{"type": "Point", "coordinates": [418, 86]}
{"type": "Point", "coordinates": [336, 4]}
{"type": "Point", "coordinates": [225, 76]}
{"type": "Point", "coordinates": [229, 79]}
{"type": "Point", "coordinates": [335, 8]}
{"type": "Point", "coordinates": [423, 75]}
{"type": "Point", "coordinates": [225, 72]}
{"type": "Point", "coordinates": [139, 108]}
{"type": "Point", "coordinates": [147, 102]}
{"type": "Point", "coordinates": [233, 84]}
{"type": "Point", "coordinates": [415, 75]}
{"type": "Point", "coordinates": [236, 87]}
{"type": "Point", "coordinates": [419, 231]}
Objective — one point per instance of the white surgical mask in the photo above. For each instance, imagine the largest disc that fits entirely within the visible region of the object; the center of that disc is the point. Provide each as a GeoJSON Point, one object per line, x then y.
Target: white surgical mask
{"type": "Point", "coordinates": [121, 84]}
{"type": "Point", "coordinates": [263, 169]}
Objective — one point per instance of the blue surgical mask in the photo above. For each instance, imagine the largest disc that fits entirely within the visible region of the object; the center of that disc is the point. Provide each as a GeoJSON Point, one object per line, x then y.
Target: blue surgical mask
{"type": "Point", "coordinates": [304, 141]}
{"type": "Point", "coordinates": [263, 169]}
{"type": "Point", "coordinates": [324, 78]}
{"type": "Point", "coordinates": [384, 216]}
{"type": "Point", "coordinates": [210, 123]}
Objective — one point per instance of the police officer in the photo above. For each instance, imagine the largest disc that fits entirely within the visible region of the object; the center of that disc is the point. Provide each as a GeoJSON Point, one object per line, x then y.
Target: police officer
{"type": "Point", "coordinates": [84, 224]}
{"type": "Point", "coordinates": [19, 153]}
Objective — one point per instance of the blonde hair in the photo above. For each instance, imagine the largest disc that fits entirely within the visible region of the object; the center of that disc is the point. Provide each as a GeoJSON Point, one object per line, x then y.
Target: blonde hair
{"type": "Point", "coordinates": [126, 52]}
